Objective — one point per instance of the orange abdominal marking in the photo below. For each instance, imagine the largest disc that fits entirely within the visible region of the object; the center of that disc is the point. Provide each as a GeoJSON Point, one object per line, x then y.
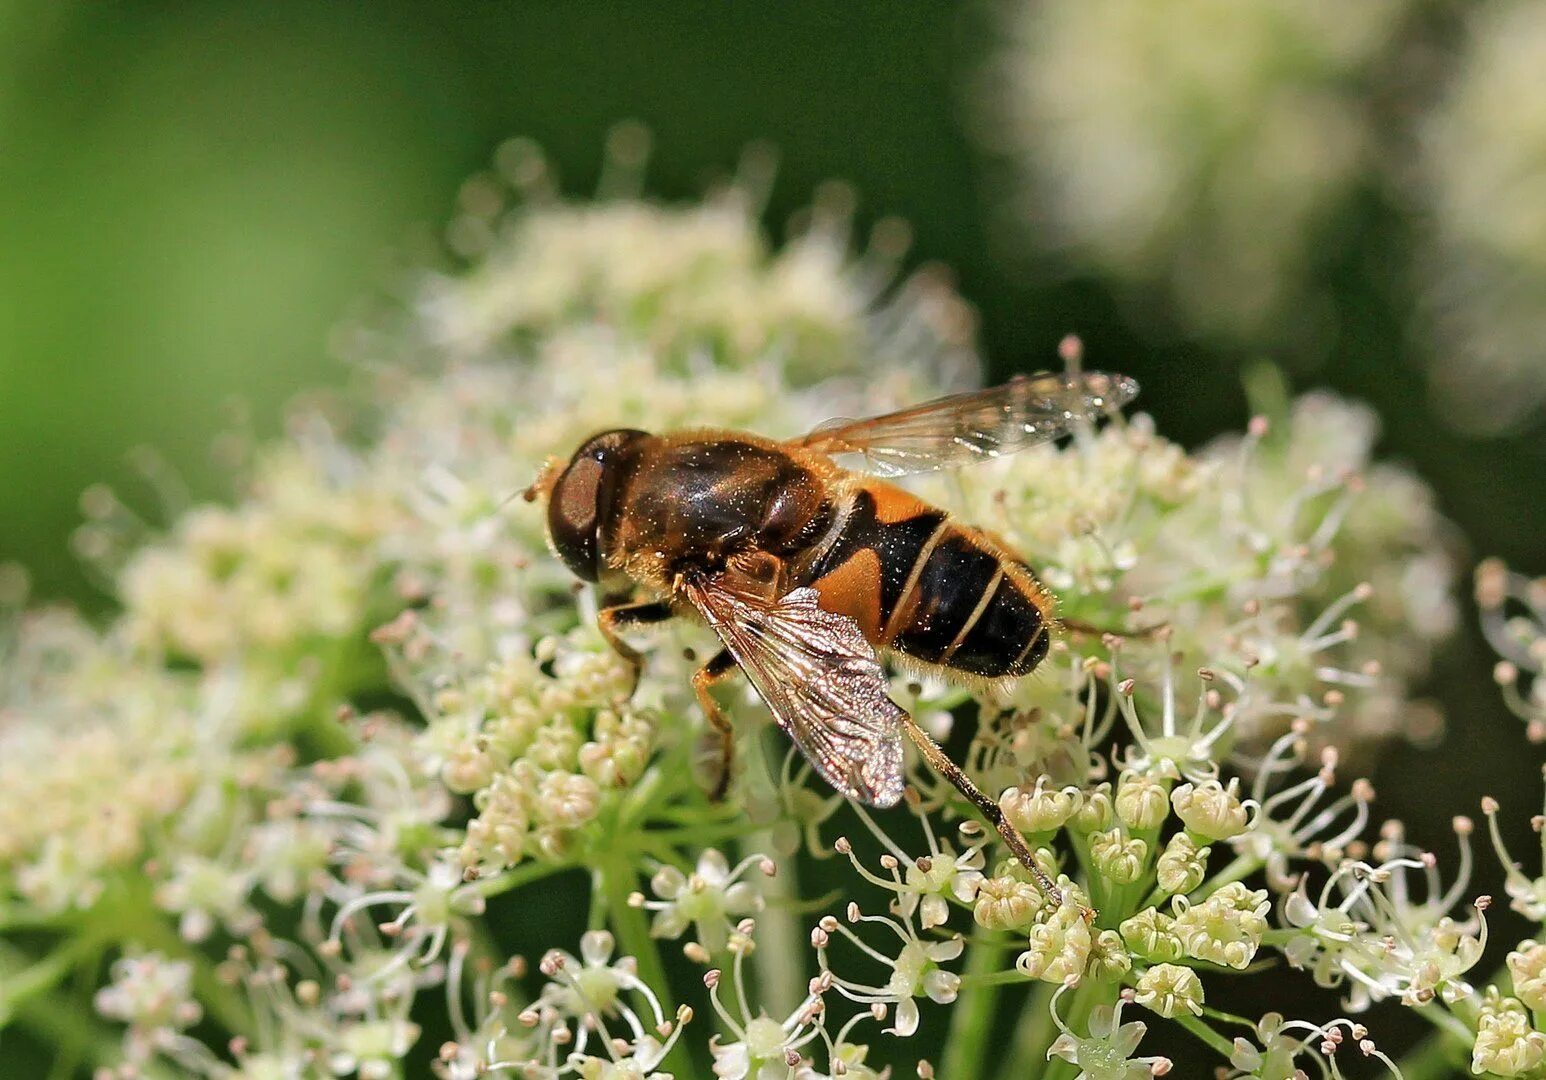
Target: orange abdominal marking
{"type": "Point", "coordinates": [852, 589]}
{"type": "Point", "coordinates": [893, 504]}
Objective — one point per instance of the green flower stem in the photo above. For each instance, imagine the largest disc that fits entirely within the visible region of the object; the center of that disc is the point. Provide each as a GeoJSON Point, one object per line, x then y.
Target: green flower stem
{"type": "Point", "coordinates": [615, 879]}
{"type": "Point", "coordinates": [971, 1017]}
{"type": "Point", "coordinates": [1228, 1017]}
{"type": "Point", "coordinates": [14, 917]}
{"type": "Point", "coordinates": [1240, 868]}
{"type": "Point", "coordinates": [636, 805]}
{"type": "Point", "coordinates": [1203, 1031]}
{"type": "Point", "coordinates": [1010, 977]}
{"type": "Point", "coordinates": [1095, 885]}
{"type": "Point", "coordinates": [780, 974]}
{"type": "Point", "coordinates": [1034, 1032]}
{"type": "Point", "coordinates": [24, 981]}
{"type": "Point", "coordinates": [1446, 1050]}
{"type": "Point", "coordinates": [700, 836]}
{"type": "Point", "coordinates": [1436, 1057]}
{"type": "Point", "coordinates": [519, 877]}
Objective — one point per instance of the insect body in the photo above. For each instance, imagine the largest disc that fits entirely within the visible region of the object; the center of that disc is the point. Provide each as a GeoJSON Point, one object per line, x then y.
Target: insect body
{"type": "Point", "coordinates": [806, 571]}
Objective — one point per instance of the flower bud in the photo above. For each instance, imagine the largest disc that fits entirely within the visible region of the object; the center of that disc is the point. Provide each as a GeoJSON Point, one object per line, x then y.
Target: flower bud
{"type": "Point", "coordinates": [1151, 934]}
{"type": "Point", "coordinates": [1041, 809]}
{"type": "Point", "coordinates": [1167, 989]}
{"type": "Point", "coordinates": [1182, 865]}
{"type": "Point", "coordinates": [1141, 801]}
{"type": "Point", "coordinates": [1527, 967]}
{"type": "Point", "coordinates": [1226, 928]}
{"type": "Point", "coordinates": [1007, 903]}
{"type": "Point", "coordinates": [1211, 810]}
{"type": "Point", "coordinates": [567, 800]}
{"type": "Point", "coordinates": [1506, 1043]}
{"type": "Point", "coordinates": [1059, 947]}
{"type": "Point", "coordinates": [1095, 812]}
{"type": "Point", "coordinates": [1109, 958]}
{"type": "Point", "coordinates": [1118, 859]}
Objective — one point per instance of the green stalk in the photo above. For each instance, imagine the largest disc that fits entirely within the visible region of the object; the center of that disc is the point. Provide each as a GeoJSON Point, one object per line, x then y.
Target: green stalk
{"type": "Point", "coordinates": [1446, 1050]}
{"type": "Point", "coordinates": [516, 878]}
{"type": "Point", "coordinates": [778, 959]}
{"type": "Point", "coordinates": [1034, 1033]}
{"type": "Point", "coordinates": [971, 1017]}
{"type": "Point", "coordinates": [1239, 868]}
{"type": "Point", "coordinates": [36, 979]}
{"type": "Point", "coordinates": [1435, 1058]}
{"type": "Point", "coordinates": [1222, 1046]}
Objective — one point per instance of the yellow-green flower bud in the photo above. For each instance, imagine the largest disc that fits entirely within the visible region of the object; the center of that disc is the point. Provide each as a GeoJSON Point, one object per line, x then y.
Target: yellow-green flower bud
{"type": "Point", "coordinates": [1141, 801]}
{"type": "Point", "coordinates": [1109, 957]}
{"type": "Point", "coordinates": [1226, 928]}
{"type": "Point", "coordinates": [1168, 989]}
{"type": "Point", "coordinates": [1118, 859]}
{"type": "Point", "coordinates": [1211, 810]}
{"type": "Point", "coordinates": [1040, 809]}
{"type": "Point", "coordinates": [1506, 1043]}
{"type": "Point", "coordinates": [1151, 934]}
{"type": "Point", "coordinates": [1182, 865]}
{"type": "Point", "coordinates": [1095, 812]}
{"type": "Point", "coordinates": [567, 800]}
{"type": "Point", "coordinates": [1007, 903]}
{"type": "Point", "coordinates": [1059, 947]}
{"type": "Point", "coordinates": [557, 746]}
{"type": "Point", "coordinates": [1527, 967]}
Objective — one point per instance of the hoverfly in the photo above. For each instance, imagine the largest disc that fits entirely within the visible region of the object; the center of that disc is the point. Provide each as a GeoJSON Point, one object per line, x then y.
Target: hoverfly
{"type": "Point", "coordinates": [807, 571]}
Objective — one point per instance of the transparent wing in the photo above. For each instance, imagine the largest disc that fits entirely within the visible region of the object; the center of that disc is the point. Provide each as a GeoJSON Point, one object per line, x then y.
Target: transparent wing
{"type": "Point", "coordinates": [975, 426]}
{"type": "Point", "coordinates": [821, 680]}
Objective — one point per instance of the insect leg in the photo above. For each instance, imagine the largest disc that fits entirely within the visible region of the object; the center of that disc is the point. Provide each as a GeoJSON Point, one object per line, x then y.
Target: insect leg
{"type": "Point", "coordinates": [1074, 626]}
{"type": "Point", "coordinates": [610, 620]}
{"type": "Point", "coordinates": [720, 667]}
{"type": "Point", "coordinates": [935, 755]}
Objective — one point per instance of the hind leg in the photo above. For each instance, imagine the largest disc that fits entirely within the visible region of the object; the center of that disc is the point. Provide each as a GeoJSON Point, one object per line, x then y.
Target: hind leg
{"type": "Point", "coordinates": [719, 668]}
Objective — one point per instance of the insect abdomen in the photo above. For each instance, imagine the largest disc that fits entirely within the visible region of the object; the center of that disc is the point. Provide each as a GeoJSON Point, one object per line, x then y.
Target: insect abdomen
{"type": "Point", "coordinates": [937, 591]}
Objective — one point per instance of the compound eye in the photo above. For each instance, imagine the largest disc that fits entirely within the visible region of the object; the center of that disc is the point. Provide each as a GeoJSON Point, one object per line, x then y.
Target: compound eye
{"type": "Point", "coordinates": [573, 517]}
{"type": "Point", "coordinates": [581, 498]}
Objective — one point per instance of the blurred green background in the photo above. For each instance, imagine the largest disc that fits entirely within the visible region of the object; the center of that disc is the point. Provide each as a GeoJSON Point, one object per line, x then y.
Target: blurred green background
{"type": "Point", "coordinates": [192, 194]}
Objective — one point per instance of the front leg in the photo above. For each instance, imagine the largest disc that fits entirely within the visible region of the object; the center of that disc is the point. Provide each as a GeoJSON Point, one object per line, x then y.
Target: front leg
{"type": "Point", "coordinates": [719, 668]}
{"type": "Point", "coordinates": [613, 619]}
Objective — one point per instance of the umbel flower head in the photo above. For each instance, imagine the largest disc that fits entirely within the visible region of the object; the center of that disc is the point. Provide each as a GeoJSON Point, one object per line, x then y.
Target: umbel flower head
{"type": "Point", "coordinates": [1160, 171]}
{"type": "Point", "coordinates": [355, 739]}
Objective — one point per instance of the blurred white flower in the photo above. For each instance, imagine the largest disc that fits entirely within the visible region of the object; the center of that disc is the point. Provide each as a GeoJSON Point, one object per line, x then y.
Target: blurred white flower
{"type": "Point", "coordinates": [1482, 175]}
{"type": "Point", "coordinates": [1199, 146]}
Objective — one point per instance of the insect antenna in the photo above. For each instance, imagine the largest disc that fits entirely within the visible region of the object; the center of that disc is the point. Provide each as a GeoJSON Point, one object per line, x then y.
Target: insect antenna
{"type": "Point", "coordinates": [935, 755]}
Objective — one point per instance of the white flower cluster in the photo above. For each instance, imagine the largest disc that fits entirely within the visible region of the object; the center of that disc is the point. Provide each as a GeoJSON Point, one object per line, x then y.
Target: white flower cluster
{"type": "Point", "coordinates": [351, 735]}
{"type": "Point", "coordinates": [1198, 146]}
{"type": "Point", "coordinates": [1212, 153]}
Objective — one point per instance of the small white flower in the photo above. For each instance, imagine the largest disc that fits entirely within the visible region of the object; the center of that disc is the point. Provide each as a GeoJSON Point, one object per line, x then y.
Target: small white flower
{"type": "Point", "coordinates": [913, 972]}
{"type": "Point", "coordinates": [1106, 1053]}
{"type": "Point", "coordinates": [711, 899]}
